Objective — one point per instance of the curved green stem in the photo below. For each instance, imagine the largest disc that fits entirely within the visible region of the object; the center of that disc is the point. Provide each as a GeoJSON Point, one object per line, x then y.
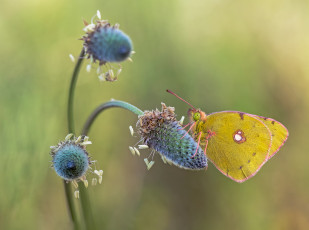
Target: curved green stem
{"type": "Point", "coordinates": [107, 105]}
{"type": "Point", "coordinates": [72, 91]}
{"type": "Point", "coordinates": [67, 186]}
{"type": "Point", "coordinates": [85, 204]}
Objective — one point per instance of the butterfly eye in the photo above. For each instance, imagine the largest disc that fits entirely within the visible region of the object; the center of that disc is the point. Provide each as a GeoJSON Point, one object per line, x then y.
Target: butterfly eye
{"type": "Point", "coordinates": [196, 116]}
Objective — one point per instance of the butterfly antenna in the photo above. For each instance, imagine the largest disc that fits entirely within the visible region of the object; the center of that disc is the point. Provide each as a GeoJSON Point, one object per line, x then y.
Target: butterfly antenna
{"type": "Point", "coordinates": [180, 98]}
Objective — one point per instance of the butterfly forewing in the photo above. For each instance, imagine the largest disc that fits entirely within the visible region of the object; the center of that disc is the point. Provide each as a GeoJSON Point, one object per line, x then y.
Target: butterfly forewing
{"type": "Point", "coordinates": [240, 144]}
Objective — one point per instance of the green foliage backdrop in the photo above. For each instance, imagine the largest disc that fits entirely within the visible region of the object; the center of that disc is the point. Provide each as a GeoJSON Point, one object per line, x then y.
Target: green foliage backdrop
{"type": "Point", "coordinates": [250, 56]}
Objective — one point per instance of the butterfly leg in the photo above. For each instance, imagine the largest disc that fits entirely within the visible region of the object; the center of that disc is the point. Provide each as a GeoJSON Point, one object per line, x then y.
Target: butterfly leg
{"type": "Point", "coordinates": [198, 144]}
{"type": "Point", "coordinates": [206, 146]}
{"type": "Point", "coordinates": [188, 130]}
{"type": "Point", "coordinates": [210, 134]}
{"type": "Point", "coordinates": [185, 126]}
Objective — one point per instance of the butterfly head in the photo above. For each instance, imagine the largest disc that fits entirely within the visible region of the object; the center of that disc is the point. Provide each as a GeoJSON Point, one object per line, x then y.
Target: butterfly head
{"type": "Point", "coordinates": [196, 115]}
{"type": "Point", "coordinates": [193, 113]}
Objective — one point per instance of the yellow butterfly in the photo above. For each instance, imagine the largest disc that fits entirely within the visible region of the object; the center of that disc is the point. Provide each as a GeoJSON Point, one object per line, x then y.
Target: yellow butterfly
{"type": "Point", "coordinates": [237, 143]}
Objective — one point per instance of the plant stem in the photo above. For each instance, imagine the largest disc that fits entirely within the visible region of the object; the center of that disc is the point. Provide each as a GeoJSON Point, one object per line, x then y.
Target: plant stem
{"type": "Point", "coordinates": [71, 128]}
{"type": "Point", "coordinates": [72, 91]}
{"type": "Point", "coordinates": [70, 202]}
{"type": "Point", "coordinates": [86, 207]}
{"type": "Point", "coordinates": [107, 105]}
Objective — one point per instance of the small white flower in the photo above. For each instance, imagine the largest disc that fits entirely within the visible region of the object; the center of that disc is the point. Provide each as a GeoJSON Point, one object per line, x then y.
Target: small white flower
{"type": "Point", "coordinates": [94, 181]}
{"type": "Point", "coordinates": [181, 120]}
{"type": "Point", "coordinates": [75, 183]}
{"type": "Point", "coordinates": [79, 138]}
{"type": "Point", "coordinates": [98, 172]}
{"type": "Point", "coordinates": [85, 183]}
{"type": "Point", "coordinates": [131, 130]}
{"type": "Point", "coordinates": [143, 146]}
{"type": "Point", "coordinates": [100, 179]}
{"type": "Point", "coordinates": [76, 194]}
{"type": "Point", "coordinates": [151, 163]}
{"type": "Point", "coordinates": [89, 28]}
{"type": "Point", "coordinates": [163, 159]}
{"type": "Point", "coordinates": [101, 77]}
{"type": "Point", "coordinates": [68, 137]}
{"type": "Point", "coordinates": [88, 68]}
{"type": "Point", "coordinates": [146, 161]}
{"type": "Point", "coordinates": [137, 152]}
{"type": "Point", "coordinates": [132, 150]}
{"type": "Point", "coordinates": [98, 14]}
{"type": "Point", "coordinates": [72, 58]}
{"type": "Point", "coordinates": [86, 143]}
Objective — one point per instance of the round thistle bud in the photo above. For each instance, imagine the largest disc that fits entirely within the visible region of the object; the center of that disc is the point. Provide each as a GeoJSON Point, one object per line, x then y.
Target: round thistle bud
{"type": "Point", "coordinates": [108, 44]}
{"type": "Point", "coordinates": [160, 130]}
{"type": "Point", "coordinates": [70, 159]}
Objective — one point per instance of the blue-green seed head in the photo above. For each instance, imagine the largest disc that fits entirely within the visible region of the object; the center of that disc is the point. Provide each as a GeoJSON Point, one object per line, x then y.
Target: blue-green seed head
{"type": "Point", "coordinates": [161, 131]}
{"type": "Point", "coordinates": [70, 160]}
{"type": "Point", "coordinates": [107, 44]}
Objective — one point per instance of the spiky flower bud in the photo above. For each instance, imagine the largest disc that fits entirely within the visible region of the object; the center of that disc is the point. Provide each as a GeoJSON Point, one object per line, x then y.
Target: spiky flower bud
{"type": "Point", "coordinates": [70, 159]}
{"type": "Point", "coordinates": [106, 43]}
{"type": "Point", "coordinates": [161, 131]}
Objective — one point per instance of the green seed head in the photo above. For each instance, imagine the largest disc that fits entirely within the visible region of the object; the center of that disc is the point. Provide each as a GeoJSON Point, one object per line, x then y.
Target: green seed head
{"type": "Point", "coordinates": [161, 131]}
{"type": "Point", "coordinates": [70, 159]}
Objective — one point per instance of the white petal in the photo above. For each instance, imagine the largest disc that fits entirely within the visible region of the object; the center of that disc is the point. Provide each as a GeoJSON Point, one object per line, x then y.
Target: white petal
{"type": "Point", "coordinates": [131, 130]}
{"type": "Point", "coordinates": [98, 14]}
{"type": "Point", "coordinates": [68, 137]}
{"type": "Point", "coordinates": [181, 120]}
{"type": "Point", "coordinates": [132, 150]}
{"type": "Point", "coordinates": [76, 194]}
{"type": "Point", "coordinates": [100, 179]}
{"type": "Point", "coordinates": [143, 146]}
{"type": "Point", "coordinates": [94, 181]}
{"type": "Point", "coordinates": [85, 183]}
{"type": "Point", "coordinates": [88, 68]}
{"type": "Point", "coordinates": [151, 163]}
{"type": "Point", "coordinates": [86, 143]}
{"type": "Point", "coordinates": [72, 58]}
{"type": "Point", "coordinates": [137, 152]}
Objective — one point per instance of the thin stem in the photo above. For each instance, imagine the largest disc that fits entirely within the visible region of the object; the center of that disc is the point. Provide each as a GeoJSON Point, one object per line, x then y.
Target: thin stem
{"type": "Point", "coordinates": [86, 207]}
{"type": "Point", "coordinates": [85, 204]}
{"type": "Point", "coordinates": [72, 91]}
{"type": "Point", "coordinates": [71, 129]}
{"type": "Point", "coordinates": [107, 105]}
{"type": "Point", "coordinates": [70, 202]}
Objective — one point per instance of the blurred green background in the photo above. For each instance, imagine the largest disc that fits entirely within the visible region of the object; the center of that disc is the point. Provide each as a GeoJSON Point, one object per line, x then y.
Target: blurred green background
{"type": "Point", "coordinates": [250, 56]}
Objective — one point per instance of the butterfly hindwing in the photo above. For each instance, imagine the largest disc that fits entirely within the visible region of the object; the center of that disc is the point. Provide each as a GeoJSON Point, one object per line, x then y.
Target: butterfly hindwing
{"type": "Point", "coordinates": [279, 134]}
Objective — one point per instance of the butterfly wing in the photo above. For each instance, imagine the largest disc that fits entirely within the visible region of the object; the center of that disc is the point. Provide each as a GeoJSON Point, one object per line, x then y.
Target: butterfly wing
{"type": "Point", "coordinates": [278, 131]}
{"type": "Point", "coordinates": [240, 145]}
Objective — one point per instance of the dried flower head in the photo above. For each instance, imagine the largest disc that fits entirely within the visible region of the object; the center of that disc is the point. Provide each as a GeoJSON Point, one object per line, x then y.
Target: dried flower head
{"type": "Point", "coordinates": [161, 131]}
{"type": "Point", "coordinates": [71, 161]}
{"type": "Point", "coordinates": [105, 43]}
